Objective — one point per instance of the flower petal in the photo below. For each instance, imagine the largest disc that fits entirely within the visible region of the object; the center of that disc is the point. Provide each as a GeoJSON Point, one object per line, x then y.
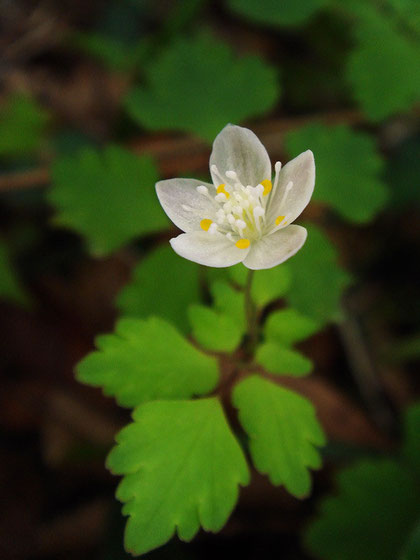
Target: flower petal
{"type": "Point", "coordinates": [211, 250]}
{"type": "Point", "coordinates": [274, 249]}
{"type": "Point", "coordinates": [176, 194]}
{"type": "Point", "coordinates": [238, 149]}
{"type": "Point", "coordinates": [301, 171]}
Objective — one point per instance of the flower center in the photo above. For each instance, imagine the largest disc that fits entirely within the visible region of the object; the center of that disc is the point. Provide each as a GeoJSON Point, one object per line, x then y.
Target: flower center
{"type": "Point", "coordinates": [240, 210]}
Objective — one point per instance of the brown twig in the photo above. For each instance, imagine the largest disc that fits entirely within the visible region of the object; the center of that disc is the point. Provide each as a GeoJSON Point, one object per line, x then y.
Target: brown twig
{"type": "Point", "coordinates": [175, 153]}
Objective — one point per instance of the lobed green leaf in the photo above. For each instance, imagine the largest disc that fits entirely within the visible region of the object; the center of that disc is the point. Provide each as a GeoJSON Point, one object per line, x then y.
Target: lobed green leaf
{"type": "Point", "coordinates": [147, 360]}
{"type": "Point", "coordinates": [348, 168]}
{"type": "Point", "coordinates": [184, 94]}
{"type": "Point", "coordinates": [181, 466]}
{"type": "Point", "coordinates": [283, 432]}
{"type": "Point", "coordinates": [108, 197]}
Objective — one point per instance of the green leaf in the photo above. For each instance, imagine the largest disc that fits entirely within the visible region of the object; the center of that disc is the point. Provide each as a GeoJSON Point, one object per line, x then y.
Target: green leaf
{"type": "Point", "coordinates": [184, 94]}
{"type": "Point", "coordinates": [283, 432]}
{"type": "Point", "coordinates": [348, 168]}
{"type": "Point", "coordinates": [376, 505]}
{"type": "Point", "coordinates": [317, 279]}
{"type": "Point", "coordinates": [289, 326]}
{"type": "Point", "coordinates": [411, 445]}
{"type": "Point", "coordinates": [10, 287]}
{"type": "Point", "coordinates": [150, 293]}
{"type": "Point", "coordinates": [108, 197]}
{"type": "Point", "coordinates": [280, 360]}
{"type": "Point", "coordinates": [148, 360]}
{"type": "Point", "coordinates": [22, 126]}
{"type": "Point", "coordinates": [384, 68]}
{"type": "Point", "coordinates": [214, 331]}
{"type": "Point", "coordinates": [182, 468]}
{"type": "Point", "coordinates": [273, 12]}
{"type": "Point", "coordinates": [267, 285]}
{"type": "Point", "coordinates": [229, 301]}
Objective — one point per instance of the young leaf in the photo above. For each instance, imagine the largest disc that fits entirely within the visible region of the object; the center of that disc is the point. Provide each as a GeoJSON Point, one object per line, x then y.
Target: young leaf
{"type": "Point", "coordinates": [384, 68]}
{"type": "Point", "coordinates": [289, 326]}
{"type": "Point", "coordinates": [229, 301]}
{"type": "Point", "coordinates": [411, 550]}
{"type": "Point", "coordinates": [317, 279]}
{"type": "Point", "coordinates": [150, 293]}
{"type": "Point", "coordinates": [147, 360]}
{"type": "Point", "coordinates": [348, 168]}
{"type": "Point", "coordinates": [267, 285]}
{"type": "Point", "coordinates": [214, 331]}
{"type": "Point", "coordinates": [283, 432]}
{"type": "Point", "coordinates": [181, 466]}
{"type": "Point", "coordinates": [108, 197]}
{"type": "Point", "coordinates": [375, 508]}
{"type": "Point", "coordinates": [22, 126]}
{"type": "Point", "coordinates": [273, 12]}
{"type": "Point", "coordinates": [185, 94]}
{"type": "Point", "coordinates": [280, 360]}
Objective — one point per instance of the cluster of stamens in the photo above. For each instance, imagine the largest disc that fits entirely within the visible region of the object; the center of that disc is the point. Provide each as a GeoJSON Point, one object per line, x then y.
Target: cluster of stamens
{"type": "Point", "coordinates": [240, 210]}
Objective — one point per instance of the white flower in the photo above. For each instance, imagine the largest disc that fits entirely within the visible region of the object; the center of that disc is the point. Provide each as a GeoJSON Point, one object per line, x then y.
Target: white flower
{"type": "Point", "coordinates": [242, 216]}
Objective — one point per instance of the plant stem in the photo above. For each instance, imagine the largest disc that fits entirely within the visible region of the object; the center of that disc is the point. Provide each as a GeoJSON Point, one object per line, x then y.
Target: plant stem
{"type": "Point", "coordinates": [250, 312]}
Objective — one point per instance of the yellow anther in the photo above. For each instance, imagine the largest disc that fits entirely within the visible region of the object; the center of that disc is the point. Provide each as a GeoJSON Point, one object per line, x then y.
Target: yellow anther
{"type": "Point", "coordinates": [221, 189]}
{"type": "Point", "coordinates": [279, 220]}
{"type": "Point", "coordinates": [205, 224]}
{"type": "Point", "coordinates": [243, 243]}
{"type": "Point", "coordinates": [267, 184]}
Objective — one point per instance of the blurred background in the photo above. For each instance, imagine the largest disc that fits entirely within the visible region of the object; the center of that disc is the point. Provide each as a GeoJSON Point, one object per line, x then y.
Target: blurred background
{"type": "Point", "coordinates": [99, 100]}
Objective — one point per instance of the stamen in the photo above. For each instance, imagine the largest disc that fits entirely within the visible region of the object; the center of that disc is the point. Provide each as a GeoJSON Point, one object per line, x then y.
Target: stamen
{"type": "Point", "coordinates": [267, 184]}
{"type": "Point", "coordinates": [221, 197]}
{"type": "Point", "coordinates": [213, 228]}
{"type": "Point", "coordinates": [243, 243]}
{"type": "Point", "coordinates": [205, 224]}
{"type": "Point", "coordinates": [231, 174]}
{"type": "Point", "coordinates": [279, 220]}
{"type": "Point", "coordinates": [221, 189]}
{"type": "Point", "coordinates": [202, 189]}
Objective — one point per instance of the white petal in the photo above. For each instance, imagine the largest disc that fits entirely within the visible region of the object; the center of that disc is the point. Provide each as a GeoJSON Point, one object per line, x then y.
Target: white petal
{"type": "Point", "coordinates": [211, 250]}
{"type": "Point", "coordinates": [238, 149]}
{"type": "Point", "coordinates": [175, 194]}
{"type": "Point", "coordinates": [274, 249]}
{"type": "Point", "coordinates": [301, 171]}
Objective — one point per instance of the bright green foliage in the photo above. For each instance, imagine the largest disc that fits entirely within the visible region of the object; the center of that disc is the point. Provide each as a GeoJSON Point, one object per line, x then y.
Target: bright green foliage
{"type": "Point", "coordinates": [348, 169]}
{"type": "Point", "coordinates": [267, 285]}
{"type": "Point", "coordinates": [288, 326]}
{"type": "Point", "coordinates": [108, 197]}
{"type": "Point", "coordinates": [384, 68]}
{"type": "Point", "coordinates": [185, 94]}
{"type": "Point", "coordinates": [181, 466]}
{"type": "Point", "coordinates": [376, 505]}
{"type": "Point", "coordinates": [10, 288]}
{"type": "Point", "coordinates": [22, 125]}
{"type": "Point", "coordinates": [147, 360]}
{"type": "Point", "coordinates": [276, 12]}
{"type": "Point", "coordinates": [411, 446]}
{"type": "Point", "coordinates": [214, 331]}
{"type": "Point", "coordinates": [318, 280]}
{"type": "Point", "coordinates": [283, 432]}
{"type": "Point", "coordinates": [280, 360]}
{"type": "Point", "coordinates": [229, 301]}
{"type": "Point", "coordinates": [150, 291]}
